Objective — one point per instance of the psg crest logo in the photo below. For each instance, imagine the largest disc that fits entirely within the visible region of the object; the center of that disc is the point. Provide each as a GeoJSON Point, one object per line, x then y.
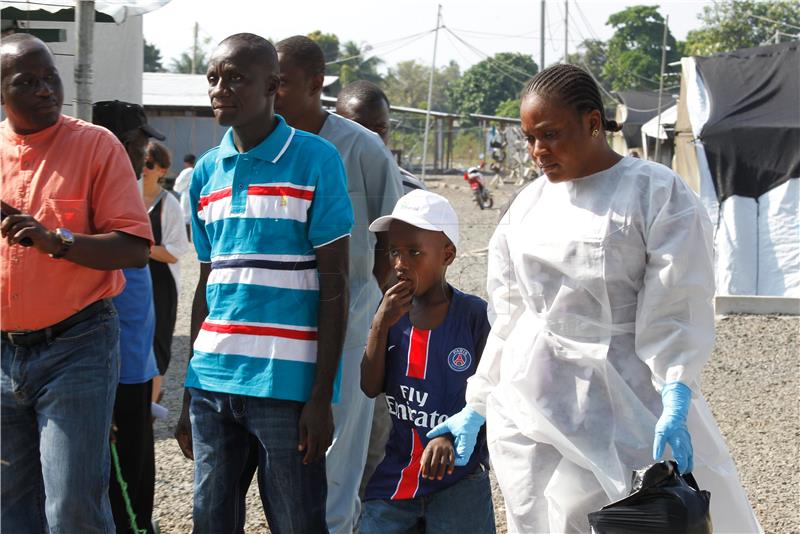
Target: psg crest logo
{"type": "Point", "coordinates": [459, 359]}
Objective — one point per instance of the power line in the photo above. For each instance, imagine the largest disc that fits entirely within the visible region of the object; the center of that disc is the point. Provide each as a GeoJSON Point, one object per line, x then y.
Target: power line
{"type": "Point", "coordinates": [773, 21]}
{"type": "Point", "coordinates": [586, 22]}
{"type": "Point", "coordinates": [489, 35]}
{"type": "Point", "coordinates": [512, 36]}
{"type": "Point", "coordinates": [506, 65]}
{"type": "Point", "coordinates": [363, 54]}
{"type": "Point", "coordinates": [498, 65]}
{"type": "Point", "coordinates": [583, 61]}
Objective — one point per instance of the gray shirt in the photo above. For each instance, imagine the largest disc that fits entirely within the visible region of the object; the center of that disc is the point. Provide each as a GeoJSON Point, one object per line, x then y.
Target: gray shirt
{"type": "Point", "coordinates": [373, 183]}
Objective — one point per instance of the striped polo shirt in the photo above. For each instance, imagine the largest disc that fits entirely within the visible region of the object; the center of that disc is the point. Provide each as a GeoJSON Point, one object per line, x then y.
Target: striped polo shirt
{"type": "Point", "coordinates": [259, 216]}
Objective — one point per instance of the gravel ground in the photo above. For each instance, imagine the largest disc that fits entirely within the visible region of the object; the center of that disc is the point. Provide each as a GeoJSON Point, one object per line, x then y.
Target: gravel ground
{"type": "Point", "coordinates": [751, 384]}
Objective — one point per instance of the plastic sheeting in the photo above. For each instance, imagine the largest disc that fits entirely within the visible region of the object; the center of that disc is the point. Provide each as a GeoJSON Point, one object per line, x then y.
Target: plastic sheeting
{"type": "Point", "coordinates": [752, 133]}
{"type": "Point", "coordinates": [737, 247]}
{"type": "Point", "coordinates": [779, 241]}
{"type": "Point", "coordinates": [757, 240]}
{"type": "Point", "coordinates": [119, 10]}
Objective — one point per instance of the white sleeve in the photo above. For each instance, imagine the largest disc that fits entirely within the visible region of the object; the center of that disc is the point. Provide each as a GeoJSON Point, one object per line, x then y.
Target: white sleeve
{"type": "Point", "coordinates": [173, 229]}
{"type": "Point", "coordinates": [505, 308]}
{"type": "Point", "coordinates": [675, 313]}
{"type": "Point", "coordinates": [182, 181]}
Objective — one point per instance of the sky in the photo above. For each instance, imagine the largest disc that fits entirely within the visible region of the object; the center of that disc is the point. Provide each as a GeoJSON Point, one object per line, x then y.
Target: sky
{"type": "Point", "coordinates": [402, 30]}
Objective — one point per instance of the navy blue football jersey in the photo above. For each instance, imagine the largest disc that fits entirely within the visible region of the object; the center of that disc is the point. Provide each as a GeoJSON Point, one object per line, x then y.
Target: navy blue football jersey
{"type": "Point", "coordinates": [425, 382]}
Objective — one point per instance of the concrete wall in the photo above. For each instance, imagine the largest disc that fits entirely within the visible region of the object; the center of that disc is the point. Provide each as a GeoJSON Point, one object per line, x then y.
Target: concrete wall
{"type": "Point", "coordinates": [117, 61]}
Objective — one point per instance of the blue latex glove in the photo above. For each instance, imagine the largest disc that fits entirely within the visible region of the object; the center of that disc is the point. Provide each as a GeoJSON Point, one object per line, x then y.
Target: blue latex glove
{"type": "Point", "coordinates": [671, 426]}
{"type": "Point", "coordinates": [464, 426]}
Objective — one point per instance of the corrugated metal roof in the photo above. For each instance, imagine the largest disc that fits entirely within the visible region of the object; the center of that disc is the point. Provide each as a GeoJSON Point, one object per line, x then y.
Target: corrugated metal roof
{"type": "Point", "coordinates": [169, 89]}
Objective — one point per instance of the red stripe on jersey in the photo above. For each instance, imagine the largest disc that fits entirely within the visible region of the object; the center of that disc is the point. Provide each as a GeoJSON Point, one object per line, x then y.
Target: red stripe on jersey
{"type": "Point", "coordinates": [213, 197]}
{"type": "Point", "coordinates": [280, 191]}
{"type": "Point", "coordinates": [305, 335]}
{"type": "Point", "coordinates": [408, 484]}
{"type": "Point", "coordinates": [418, 353]}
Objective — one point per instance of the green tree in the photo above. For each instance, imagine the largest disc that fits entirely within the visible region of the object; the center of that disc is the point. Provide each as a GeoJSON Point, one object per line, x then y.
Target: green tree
{"type": "Point", "coordinates": [183, 63]}
{"type": "Point", "coordinates": [152, 58]}
{"type": "Point", "coordinates": [329, 43]}
{"type": "Point", "coordinates": [591, 55]}
{"type": "Point", "coordinates": [354, 66]}
{"type": "Point", "coordinates": [508, 108]}
{"type": "Point", "coordinates": [406, 84]}
{"type": "Point", "coordinates": [492, 81]}
{"type": "Point", "coordinates": [634, 51]}
{"type": "Point", "coordinates": [733, 25]}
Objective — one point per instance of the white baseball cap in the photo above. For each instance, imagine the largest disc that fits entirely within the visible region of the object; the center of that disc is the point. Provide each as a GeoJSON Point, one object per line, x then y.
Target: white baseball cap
{"type": "Point", "coordinates": [425, 210]}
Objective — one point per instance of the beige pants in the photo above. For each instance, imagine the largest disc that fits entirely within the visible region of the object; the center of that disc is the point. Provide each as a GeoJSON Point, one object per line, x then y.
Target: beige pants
{"type": "Point", "coordinates": [379, 435]}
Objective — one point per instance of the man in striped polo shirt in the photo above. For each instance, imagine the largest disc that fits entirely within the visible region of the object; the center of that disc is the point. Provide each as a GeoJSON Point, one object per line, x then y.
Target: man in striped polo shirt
{"type": "Point", "coordinates": [271, 228]}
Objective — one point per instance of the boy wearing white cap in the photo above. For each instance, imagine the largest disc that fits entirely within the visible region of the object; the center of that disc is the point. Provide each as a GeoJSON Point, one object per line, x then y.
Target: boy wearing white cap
{"type": "Point", "coordinates": [425, 342]}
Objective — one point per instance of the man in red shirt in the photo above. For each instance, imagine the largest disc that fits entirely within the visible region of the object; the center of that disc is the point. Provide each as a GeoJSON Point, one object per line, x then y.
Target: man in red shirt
{"type": "Point", "coordinates": [72, 217]}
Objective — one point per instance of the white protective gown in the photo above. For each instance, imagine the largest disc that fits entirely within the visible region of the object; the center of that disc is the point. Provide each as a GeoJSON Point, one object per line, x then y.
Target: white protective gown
{"type": "Point", "coordinates": [600, 292]}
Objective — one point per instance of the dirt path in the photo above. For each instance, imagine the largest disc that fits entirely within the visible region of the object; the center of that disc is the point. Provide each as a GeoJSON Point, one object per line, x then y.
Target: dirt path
{"type": "Point", "coordinates": [751, 383]}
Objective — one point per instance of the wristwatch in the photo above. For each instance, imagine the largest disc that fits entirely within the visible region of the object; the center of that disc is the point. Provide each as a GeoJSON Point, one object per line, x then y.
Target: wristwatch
{"type": "Point", "coordinates": [67, 239]}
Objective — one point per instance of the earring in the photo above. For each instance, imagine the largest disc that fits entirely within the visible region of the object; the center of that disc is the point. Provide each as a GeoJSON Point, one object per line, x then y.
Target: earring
{"type": "Point", "coordinates": [595, 132]}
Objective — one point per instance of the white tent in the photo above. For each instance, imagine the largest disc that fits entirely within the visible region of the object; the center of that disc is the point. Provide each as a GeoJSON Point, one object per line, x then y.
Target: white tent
{"type": "Point", "coordinates": [119, 10]}
{"type": "Point", "coordinates": [652, 128]}
{"type": "Point", "coordinates": [656, 129]}
{"type": "Point", "coordinates": [757, 238]}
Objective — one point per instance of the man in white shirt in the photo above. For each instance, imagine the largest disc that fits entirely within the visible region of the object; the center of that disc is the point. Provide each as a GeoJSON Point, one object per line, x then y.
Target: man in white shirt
{"type": "Point", "coordinates": [182, 183]}
{"type": "Point", "coordinates": [374, 185]}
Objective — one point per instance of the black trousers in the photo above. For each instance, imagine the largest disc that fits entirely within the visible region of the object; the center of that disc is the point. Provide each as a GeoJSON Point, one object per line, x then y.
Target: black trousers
{"type": "Point", "coordinates": [134, 441]}
{"type": "Point", "coordinates": [165, 302]}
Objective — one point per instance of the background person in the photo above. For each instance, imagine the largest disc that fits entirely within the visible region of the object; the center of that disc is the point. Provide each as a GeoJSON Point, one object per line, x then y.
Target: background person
{"type": "Point", "coordinates": [133, 423]}
{"type": "Point", "coordinates": [374, 187]}
{"type": "Point", "coordinates": [166, 219]}
{"type": "Point", "coordinates": [75, 199]}
{"type": "Point", "coordinates": [365, 103]}
{"type": "Point", "coordinates": [181, 187]}
{"type": "Point", "coordinates": [601, 283]}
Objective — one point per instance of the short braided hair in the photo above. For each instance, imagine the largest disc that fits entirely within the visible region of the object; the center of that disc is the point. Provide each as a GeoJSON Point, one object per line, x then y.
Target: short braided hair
{"type": "Point", "coordinates": [573, 86]}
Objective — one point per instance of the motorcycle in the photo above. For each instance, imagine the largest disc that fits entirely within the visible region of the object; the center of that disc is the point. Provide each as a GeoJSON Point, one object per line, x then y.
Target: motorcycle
{"type": "Point", "coordinates": [481, 193]}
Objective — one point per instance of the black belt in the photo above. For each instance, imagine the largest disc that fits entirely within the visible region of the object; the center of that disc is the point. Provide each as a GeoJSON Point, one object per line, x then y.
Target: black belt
{"type": "Point", "coordinates": [34, 337]}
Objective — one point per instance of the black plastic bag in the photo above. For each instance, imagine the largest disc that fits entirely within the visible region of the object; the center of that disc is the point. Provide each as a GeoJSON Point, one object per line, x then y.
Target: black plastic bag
{"type": "Point", "coordinates": [661, 502]}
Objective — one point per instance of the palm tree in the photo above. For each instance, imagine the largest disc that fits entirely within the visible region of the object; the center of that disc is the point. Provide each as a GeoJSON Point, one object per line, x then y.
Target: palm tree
{"type": "Point", "coordinates": [355, 66]}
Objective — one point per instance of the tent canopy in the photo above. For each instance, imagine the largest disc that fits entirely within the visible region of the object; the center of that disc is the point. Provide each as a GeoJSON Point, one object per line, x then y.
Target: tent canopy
{"type": "Point", "coordinates": [637, 108]}
{"type": "Point", "coordinates": [652, 129]}
{"type": "Point", "coordinates": [752, 136]}
{"type": "Point", "coordinates": [117, 10]}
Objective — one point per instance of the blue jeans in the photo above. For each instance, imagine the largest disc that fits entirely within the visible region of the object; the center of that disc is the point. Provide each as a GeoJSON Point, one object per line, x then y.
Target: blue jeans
{"type": "Point", "coordinates": [223, 428]}
{"type": "Point", "coordinates": [56, 405]}
{"type": "Point", "coordinates": [466, 506]}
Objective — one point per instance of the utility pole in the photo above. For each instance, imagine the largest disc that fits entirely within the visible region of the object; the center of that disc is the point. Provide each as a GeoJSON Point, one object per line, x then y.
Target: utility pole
{"type": "Point", "coordinates": [661, 87]}
{"type": "Point", "coordinates": [84, 27]}
{"type": "Point", "coordinates": [566, 31]}
{"type": "Point", "coordinates": [541, 38]}
{"type": "Point", "coordinates": [430, 91]}
{"type": "Point", "coordinates": [194, 50]}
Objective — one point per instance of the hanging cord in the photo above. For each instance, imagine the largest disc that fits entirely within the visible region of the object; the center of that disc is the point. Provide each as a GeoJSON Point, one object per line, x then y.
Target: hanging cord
{"type": "Point", "coordinates": [123, 486]}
